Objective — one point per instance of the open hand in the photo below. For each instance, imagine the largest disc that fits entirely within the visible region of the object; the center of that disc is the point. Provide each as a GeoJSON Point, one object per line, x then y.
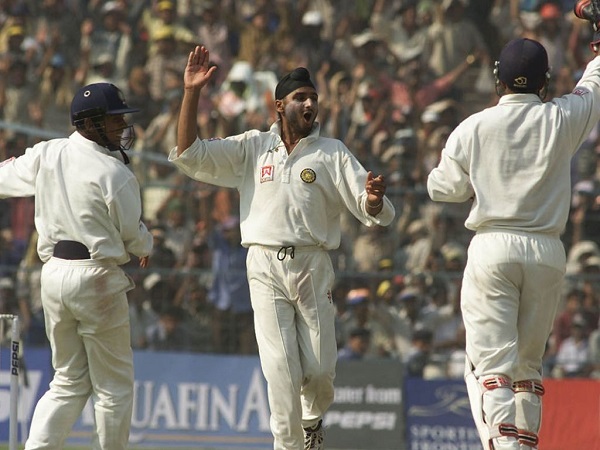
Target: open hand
{"type": "Point", "coordinates": [198, 72]}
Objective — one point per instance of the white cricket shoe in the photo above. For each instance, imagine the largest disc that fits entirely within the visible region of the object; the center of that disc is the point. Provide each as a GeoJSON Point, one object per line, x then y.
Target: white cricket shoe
{"type": "Point", "coordinates": [314, 437]}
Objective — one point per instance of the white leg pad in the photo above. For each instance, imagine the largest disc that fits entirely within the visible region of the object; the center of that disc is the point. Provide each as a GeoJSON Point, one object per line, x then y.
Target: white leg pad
{"type": "Point", "coordinates": [528, 411]}
{"type": "Point", "coordinates": [493, 408]}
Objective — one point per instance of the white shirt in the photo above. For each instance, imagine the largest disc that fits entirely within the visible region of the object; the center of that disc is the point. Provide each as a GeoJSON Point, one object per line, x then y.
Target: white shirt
{"type": "Point", "coordinates": [82, 193]}
{"type": "Point", "coordinates": [572, 355]}
{"type": "Point", "coordinates": [293, 199]}
{"type": "Point", "coordinates": [513, 159]}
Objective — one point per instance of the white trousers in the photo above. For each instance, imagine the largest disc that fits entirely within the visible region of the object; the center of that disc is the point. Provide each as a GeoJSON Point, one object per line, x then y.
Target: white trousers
{"type": "Point", "coordinates": [295, 332]}
{"type": "Point", "coordinates": [511, 290]}
{"type": "Point", "coordinates": [87, 323]}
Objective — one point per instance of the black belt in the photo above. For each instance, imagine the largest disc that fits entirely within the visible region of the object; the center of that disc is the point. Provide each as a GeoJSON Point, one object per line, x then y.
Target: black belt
{"type": "Point", "coordinates": [70, 250]}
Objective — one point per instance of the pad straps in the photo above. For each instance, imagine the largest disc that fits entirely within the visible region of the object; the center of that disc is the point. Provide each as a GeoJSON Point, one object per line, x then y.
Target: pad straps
{"type": "Point", "coordinates": [533, 386]}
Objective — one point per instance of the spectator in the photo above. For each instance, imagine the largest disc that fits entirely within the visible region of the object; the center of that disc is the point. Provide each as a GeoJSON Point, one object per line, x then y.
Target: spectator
{"type": "Point", "coordinates": [212, 30]}
{"type": "Point", "coordinates": [8, 303]}
{"type": "Point", "coordinates": [191, 295]}
{"type": "Point", "coordinates": [257, 39]}
{"type": "Point", "coordinates": [57, 88]}
{"type": "Point", "coordinates": [19, 97]}
{"type": "Point", "coordinates": [138, 90]}
{"type": "Point", "coordinates": [232, 324]}
{"type": "Point", "coordinates": [179, 229]}
{"type": "Point", "coordinates": [169, 333]}
{"type": "Point", "coordinates": [564, 319]}
{"type": "Point", "coordinates": [361, 313]}
{"type": "Point", "coordinates": [450, 39]}
{"type": "Point", "coordinates": [162, 256]}
{"type": "Point", "coordinates": [594, 351]}
{"type": "Point", "coordinates": [419, 354]}
{"type": "Point", "coordinates": [245, 98]}
{"type": "Point", "coordinates": [166, 60]}
{"type": "Point", "coordinates": [415, 253]}
{"type": "Point", "coordinates": [141, 317]}
{"type": "Point", "coordinates": [357, 345]}
{"type": "Point", "coordinates": [399, 26]}
{"type": "Point", "coordinates": [56, 25]}
{"type": "Point", "coordinates": [105, 47]}
{"type": "Point", "coordinates": [11, 251]}
{"type": "Point", "coordinates": [28, 293]}
{"type": "Point", "coordinates": [410, 303]}
{"type": "Point", "coordinates": [585, 211]}
{"type": "Point", "coordinates": [552, 32]}
{"type": "Point", "coordinates": [371, 245]}
{"type": "Point", "coordinates": [165, 15]}
{"type": "Point", "coordinates": [161, 133]}
{"type": "Point", "coordinates": [572, 358]}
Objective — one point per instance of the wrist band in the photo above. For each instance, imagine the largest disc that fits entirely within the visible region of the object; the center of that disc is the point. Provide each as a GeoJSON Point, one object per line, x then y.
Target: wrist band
{"type": "Point", "coordinates": [377, 205]}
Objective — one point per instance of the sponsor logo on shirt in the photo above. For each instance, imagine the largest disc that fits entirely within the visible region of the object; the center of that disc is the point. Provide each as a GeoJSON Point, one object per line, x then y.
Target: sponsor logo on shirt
{"type": "Point", "coordinates": [308, 175]}
{"type": "Point", "coordinates": [3, 163]}
{"type": "Point", "coordinates": [266, 173]}
{"type": "Point", "coordinates": [580, 91]}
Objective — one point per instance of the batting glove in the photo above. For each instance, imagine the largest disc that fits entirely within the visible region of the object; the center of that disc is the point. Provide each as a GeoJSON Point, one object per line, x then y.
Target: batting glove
{"type": "Point", "coordinates": [588, 10]}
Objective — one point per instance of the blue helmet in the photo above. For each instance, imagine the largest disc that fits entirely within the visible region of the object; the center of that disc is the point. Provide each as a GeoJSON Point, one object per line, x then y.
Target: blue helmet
{"type": "Point", "coordinates": [97, 100]}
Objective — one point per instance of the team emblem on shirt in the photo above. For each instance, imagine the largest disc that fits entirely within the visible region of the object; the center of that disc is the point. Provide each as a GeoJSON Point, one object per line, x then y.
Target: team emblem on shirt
{"type": "Point", "coordinates": [308, 175]}
{"type": "Point", "coordinates": [266, 173]}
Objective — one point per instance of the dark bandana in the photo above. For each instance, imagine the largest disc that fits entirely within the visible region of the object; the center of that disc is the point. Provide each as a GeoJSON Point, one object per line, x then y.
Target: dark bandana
{"type": "Point", "coordinates": [297, 78]}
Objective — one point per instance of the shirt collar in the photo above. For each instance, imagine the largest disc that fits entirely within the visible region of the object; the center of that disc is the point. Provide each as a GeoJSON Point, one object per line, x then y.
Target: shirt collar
{"type": "Point", "coordinates": [82, 141]}
{"type": "Point", "coordinates": [519, 98]}
{"type": "Point", "coordinates": [314, 133]}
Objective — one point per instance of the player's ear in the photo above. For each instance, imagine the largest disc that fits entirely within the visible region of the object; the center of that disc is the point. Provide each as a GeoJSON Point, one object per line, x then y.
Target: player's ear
{"type": "Point", "coordinates": [279, 106]}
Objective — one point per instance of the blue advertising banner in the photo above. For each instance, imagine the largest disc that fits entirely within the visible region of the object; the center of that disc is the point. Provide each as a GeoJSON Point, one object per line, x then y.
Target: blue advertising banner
{"type": "Point", "coordinates": [214, 401]}
{"type": "Point", "coordinates": [181, 400]}
{"type": "Point", "coordinates": [184, 400]}
{"type": "Point", "coordinates": [438, 416]}
{"type": "Point", "coordinates": [199, 401]}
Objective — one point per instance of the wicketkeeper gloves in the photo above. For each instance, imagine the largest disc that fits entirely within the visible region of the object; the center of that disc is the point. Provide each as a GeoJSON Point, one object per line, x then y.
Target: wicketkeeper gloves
{"type": "Point", "coordinates": [588, 10]}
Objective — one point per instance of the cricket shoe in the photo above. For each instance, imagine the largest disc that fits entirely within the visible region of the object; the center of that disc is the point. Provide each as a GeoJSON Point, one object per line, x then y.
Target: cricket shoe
{"type": "Point", "coordinates": [314, 437]}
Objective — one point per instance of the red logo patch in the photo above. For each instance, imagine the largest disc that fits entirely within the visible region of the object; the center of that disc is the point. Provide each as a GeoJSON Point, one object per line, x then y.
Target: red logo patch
{"type": "Point", "coordinates": [266, 173]}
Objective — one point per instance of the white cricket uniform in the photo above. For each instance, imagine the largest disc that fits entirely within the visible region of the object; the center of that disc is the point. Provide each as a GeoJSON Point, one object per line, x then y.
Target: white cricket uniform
{"type": "Point", "coordinates": [513, 160]}
{"type": "Point", "coordinates": [83, 193]}
{"type": "Point", "coordinates": [289, 200]}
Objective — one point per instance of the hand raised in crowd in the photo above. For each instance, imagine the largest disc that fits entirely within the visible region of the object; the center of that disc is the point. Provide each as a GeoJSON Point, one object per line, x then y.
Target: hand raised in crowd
{"type": "Point", "coordinates": [198, 71]}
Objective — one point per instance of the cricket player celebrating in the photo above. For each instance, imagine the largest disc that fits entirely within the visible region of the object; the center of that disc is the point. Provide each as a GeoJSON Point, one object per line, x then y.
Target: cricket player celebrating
{"type": "Point", "coordinates": [293, 185]}
{"type": "Point", "coordinates": [513, 162]}
{"type": "Point", "coordinates": [87, 214]}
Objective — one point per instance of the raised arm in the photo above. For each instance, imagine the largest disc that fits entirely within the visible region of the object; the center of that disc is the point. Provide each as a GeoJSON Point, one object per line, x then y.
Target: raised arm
{"type": "Point", "coordinates": [196, 75]}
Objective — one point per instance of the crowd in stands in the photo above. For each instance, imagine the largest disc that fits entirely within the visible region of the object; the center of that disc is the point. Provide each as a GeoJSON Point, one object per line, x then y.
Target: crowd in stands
{"type": "Point", "coordinates": [394, 78]}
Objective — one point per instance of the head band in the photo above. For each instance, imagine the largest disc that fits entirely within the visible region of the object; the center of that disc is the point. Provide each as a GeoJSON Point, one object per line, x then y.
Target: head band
{"type": "Point", "coordinates": [297, 78]}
